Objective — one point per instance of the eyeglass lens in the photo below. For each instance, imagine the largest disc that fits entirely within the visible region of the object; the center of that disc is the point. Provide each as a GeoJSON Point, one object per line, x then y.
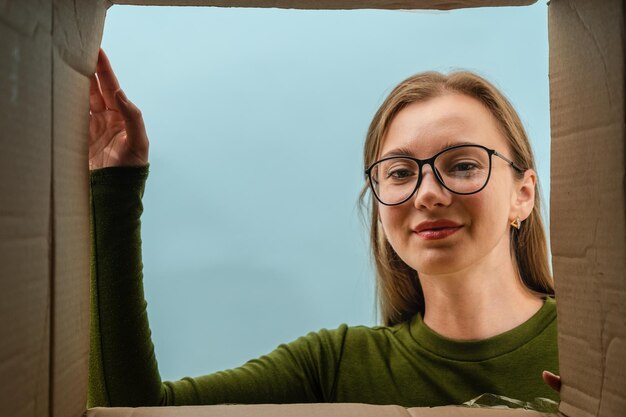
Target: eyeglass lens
{"type": "Point", "coordinates": [462, 170]}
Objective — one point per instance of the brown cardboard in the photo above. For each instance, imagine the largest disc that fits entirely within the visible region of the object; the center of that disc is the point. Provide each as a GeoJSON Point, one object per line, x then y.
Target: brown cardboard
{"type": "Point", "coordinates": [25, 168]}
{"type": "Point", "coordinates": [335, 4]}
{"type": "Point", "coordinates": [49, 47]}
{"type": "Point", "coordinates": [263, 410]}
{"type": "Point", "coordinates": [70, 323]}
{"type": "Point", "coordinates": [306, 410]}
{"type": "Point", "coordinates": [77, 32]}
{"type": "Point", "coordinates": [588, 230]}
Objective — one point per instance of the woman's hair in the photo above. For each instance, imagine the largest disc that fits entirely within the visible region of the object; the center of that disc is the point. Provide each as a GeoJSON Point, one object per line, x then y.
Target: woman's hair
{"type": "Point", "coordinates": [399, 292]}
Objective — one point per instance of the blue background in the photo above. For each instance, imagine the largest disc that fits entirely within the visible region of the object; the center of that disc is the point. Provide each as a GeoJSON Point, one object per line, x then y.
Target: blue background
{"type": "Point", "coordinates": [256, 117]}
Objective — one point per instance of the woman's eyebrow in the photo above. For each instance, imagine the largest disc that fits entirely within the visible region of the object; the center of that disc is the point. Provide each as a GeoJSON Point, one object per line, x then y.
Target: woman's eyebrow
{"type": "Point", "coordinates": [456, 143]}
{"type": "Point", "coordinates": [405, 151]}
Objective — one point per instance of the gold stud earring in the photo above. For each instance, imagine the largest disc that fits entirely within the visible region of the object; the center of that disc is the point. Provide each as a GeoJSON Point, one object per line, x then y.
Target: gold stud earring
{"type": "Point", "coordinates": [517, 223]}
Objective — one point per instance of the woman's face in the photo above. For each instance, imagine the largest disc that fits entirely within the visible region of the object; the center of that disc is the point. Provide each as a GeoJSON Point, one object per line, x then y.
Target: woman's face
{"type": "Point", "coordinates": [436, 231]}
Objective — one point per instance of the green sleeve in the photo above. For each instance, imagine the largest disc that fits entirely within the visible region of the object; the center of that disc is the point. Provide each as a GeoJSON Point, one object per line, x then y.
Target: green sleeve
{"type": "Point", "coordinates": [123, 369]}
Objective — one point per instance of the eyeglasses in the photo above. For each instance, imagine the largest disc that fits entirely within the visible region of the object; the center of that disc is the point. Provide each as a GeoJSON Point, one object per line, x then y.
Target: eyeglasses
{"type": "Point", "coordinates": [461, 169]}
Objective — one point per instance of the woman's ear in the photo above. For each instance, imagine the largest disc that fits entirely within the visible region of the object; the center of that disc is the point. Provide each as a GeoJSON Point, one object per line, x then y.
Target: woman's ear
{"type": "Point", "coordinates": [524, 196]}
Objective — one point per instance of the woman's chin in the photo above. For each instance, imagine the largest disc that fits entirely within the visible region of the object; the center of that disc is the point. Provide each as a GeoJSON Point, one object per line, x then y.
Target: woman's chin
{"type": "Point", "coordinates": [437, 263]}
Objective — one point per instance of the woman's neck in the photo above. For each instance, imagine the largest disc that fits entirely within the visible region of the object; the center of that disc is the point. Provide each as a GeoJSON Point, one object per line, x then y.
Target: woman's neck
{"type": "Point", "coordinates": [479, 302]}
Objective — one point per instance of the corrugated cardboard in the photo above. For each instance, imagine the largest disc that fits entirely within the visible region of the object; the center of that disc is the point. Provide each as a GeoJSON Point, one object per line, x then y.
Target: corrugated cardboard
{"type": "Point", "coordinates": [77, 32]}
{"type": "Point", "coordinates": [588, 230]}
{"type": "Point", "coordinates": [307, 410]}
{"type": "Point", "coordinates": [335, 4]}
{"type": "Point", "coordinates": [25, 212]}
{"type": "Point", "coordinates": [47, 50]}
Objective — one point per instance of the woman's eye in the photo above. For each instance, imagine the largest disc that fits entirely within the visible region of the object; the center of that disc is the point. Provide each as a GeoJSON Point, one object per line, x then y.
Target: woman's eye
{"type": "Point", "coordinates": [463, 167]}
{"type": "Point", "coordinates": [400, 174]}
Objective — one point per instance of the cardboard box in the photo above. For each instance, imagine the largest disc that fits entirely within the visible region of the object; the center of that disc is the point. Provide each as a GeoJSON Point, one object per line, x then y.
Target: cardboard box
{"type": "Point", "coordinates": [307, 410]}
{"type": "Point", "coordinates": [48, 48]}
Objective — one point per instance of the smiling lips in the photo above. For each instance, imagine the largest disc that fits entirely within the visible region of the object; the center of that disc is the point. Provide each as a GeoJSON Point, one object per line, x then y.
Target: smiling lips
{"type": "Point", "coordinates": [438, 229]}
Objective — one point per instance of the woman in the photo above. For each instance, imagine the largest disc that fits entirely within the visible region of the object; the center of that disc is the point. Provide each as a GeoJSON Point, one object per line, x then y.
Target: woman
{"type": "Point", "coordinates": [463, 277]}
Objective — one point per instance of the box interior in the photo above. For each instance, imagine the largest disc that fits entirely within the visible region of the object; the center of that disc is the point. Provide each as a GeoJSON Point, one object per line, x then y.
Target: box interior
{"type": "Point", "coordinates": [49, 49]}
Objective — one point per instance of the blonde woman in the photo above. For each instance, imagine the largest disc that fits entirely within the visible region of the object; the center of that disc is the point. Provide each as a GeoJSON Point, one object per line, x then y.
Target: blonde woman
{"type": "Point", "coordinates": [464, 285]}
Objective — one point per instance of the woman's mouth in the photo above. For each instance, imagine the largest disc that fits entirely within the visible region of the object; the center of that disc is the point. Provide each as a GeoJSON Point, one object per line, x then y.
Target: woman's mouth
{"type": "Point", "coordinates": [438, 229]}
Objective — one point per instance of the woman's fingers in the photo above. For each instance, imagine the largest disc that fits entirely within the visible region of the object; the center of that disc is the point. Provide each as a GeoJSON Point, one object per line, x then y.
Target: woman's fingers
{"type": "Point", "coordinates": [135, 128]}
{"type": "Point", "coordinates": [108, 81]}
{"type": "Point", "coordinates": [554, 381]}
{"type": "Point", "coordinates": [96, 102]}
{"type": "Point", "coordinates": [117, 132]}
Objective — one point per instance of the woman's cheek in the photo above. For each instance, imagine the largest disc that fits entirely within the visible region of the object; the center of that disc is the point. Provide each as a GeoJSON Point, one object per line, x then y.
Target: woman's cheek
{"type": "Point", "coordinates": [393, 220]}
{"type": "Point", "coordinates": [484, 213]}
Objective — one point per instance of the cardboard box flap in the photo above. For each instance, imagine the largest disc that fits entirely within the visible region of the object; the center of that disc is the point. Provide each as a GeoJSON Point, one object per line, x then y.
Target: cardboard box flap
{"type": "Point", "coordinates": [77, 33]}
{"type": "Point", "coordinates": [78, 28]}
{"type": "Point", "coordinates": [49, 47]}
{"type": "Point", "coordinates": [25, 213]}
{"type": "Point", "coordinates": [335, 4]}
{"type": "Point", "coordinates": [588, 230]}
{"type": "Point", "coordinates": [29, 19]}
{"type": "Point", "coordinates": [260, 410]}
{"type": "Point", "coordinates": [307, 410]}
{"type": "Point", "coordinates": [453, 411]}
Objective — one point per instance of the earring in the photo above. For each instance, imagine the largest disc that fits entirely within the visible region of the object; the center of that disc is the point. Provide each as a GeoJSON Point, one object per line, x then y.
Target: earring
{"type": "Point", "coordinates": [517, 223]}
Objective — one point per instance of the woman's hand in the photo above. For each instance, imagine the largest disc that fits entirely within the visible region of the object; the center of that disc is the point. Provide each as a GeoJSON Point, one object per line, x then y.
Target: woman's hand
{"type": "Point", "coordinates": [554, 381]}
{"type": "Point", "coordinates": [117, 135]}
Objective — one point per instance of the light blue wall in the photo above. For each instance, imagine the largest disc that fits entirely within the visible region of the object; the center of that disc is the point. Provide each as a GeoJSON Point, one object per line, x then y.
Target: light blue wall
{"type": "Point", "coordinates": [256, 120]}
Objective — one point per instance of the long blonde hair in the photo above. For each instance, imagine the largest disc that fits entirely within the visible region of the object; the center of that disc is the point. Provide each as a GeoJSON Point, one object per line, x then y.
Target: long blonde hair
{"type": "Point", "coordinates": [399, 293]}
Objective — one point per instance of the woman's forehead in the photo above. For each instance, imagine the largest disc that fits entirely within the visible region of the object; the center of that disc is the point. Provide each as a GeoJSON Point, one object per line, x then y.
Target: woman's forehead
{"type": "Point", "coordinates": [427, 127]}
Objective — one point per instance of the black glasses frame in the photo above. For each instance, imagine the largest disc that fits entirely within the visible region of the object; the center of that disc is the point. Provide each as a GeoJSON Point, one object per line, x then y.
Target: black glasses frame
{"type": "Point", "coordinates": [431, 161]}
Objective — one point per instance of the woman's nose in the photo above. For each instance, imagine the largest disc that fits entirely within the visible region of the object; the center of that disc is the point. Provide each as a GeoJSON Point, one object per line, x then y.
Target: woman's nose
{"type": "Point", "coordinates": [431, 192]}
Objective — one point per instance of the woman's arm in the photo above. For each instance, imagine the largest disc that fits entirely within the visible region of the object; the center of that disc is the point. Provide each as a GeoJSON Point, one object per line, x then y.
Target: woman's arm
{"type": "Point", "coordinates": [123, 367]}
{"type": "Point", "coordinates": [117, 143]}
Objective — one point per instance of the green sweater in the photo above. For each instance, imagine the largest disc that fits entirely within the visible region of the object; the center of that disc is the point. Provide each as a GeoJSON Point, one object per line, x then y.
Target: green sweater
{"type": "Point", "coordinates": [407, 364]}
